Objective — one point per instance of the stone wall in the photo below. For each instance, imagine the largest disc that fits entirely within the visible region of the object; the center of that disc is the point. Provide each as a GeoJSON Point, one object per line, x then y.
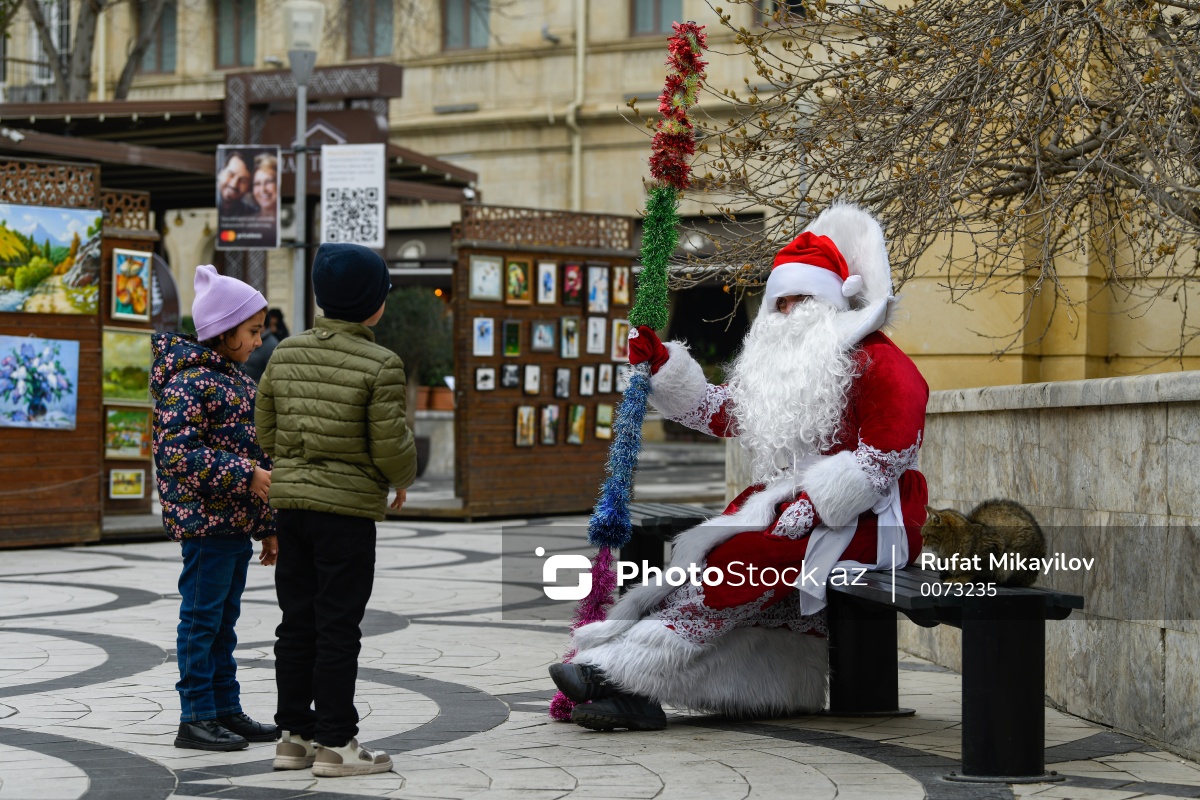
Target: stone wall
{"type": "Point", "coordinates": [1111, 468]}
{"type": "Point", "coordinates": [439, 427]}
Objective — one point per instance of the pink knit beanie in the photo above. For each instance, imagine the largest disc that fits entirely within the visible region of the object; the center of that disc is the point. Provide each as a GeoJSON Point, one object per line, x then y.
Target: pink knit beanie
{"type": "Point", "coordinates": [222, 303]}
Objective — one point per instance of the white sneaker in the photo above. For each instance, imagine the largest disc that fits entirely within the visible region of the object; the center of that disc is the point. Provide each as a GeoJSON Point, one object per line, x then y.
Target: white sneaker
{"type": "Point", "coordinates": [294, 752]}
{"type": "Point", "coordinates": [349, 759]}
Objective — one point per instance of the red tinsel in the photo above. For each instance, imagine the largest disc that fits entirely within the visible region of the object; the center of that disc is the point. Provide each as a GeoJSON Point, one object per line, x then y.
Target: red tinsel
{"type": "Point", "coordinates": [675, 140]}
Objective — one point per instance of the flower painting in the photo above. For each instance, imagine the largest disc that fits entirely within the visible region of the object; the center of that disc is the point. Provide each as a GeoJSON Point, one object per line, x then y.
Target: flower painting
{"type": "Point", "coordinates": [39, 382]}
{"type": "Point", "coordinates": [49, 259]}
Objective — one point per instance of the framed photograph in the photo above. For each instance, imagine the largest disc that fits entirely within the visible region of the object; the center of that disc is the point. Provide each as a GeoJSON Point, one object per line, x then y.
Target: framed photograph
{"type": "Point", "coordinates": [132, 270]}
{"type": "Point", "coordinates": [512, 338]}
{"type": "Point", "coordinates": [620, 340]}
{"type": "Point", "coordinates": [547, 283]}
{"type": "Point", "coordinates": [525, 426]}
{"type": "Point", "coordinates": [485, 379]}
{"type": "Point", "coordinates": [570, 337]}
{"type": "Point", "coordinates": [604, 418]}
{"type": "Point", "coordinates": [597, 290]}
{"type": "Point", "coordinates": [595, 335]}
{"type": "Point", "coordinates": [510, 376]}
{"type": "Point", "coordinates": [484, 340]}
{"type": "Point", "coordinates": [587, 381]}
{"type": "Point", "coordinates": [126, 484]}
{"type": "Point", "coordinates": [543, 336]}
{"type": "Point", "coordinates": [572, 285]}
{"type": "Point", "coordinates": [550, 424]}
{"type": "Point", "coordinates": [624, 373]}
{"type": "Point", "coordinates": [58, 258]}
{"type": "Point", "coordinates": [620, 286]}
{"type": "Point", "coordinates": [562, 382]}
{"type": "Point", "coordinates": [518, 283]}
{"type": "Point", "coordinates": [127, 433]}
{"type": "Point", "coordinates": [604, 378]}
{"type": "Point", "coordinates": [485, 278]}
{"type": "Point", "coordinates": [125, 360]}
{"type": "Point", "coordinates": [39, 382]}
{"type": "Point", "coordinates": [533, 379]}
{"type": "Point", "coordinates": [576, 424]}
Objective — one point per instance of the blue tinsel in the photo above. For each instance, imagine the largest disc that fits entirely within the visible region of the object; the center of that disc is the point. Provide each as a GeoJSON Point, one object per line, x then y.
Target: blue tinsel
{"type": "Point", "coordinates": [610, 525]}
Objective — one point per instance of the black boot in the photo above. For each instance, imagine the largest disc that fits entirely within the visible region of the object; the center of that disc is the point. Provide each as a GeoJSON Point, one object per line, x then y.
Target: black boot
{"type": "Point", "coordinates": [630, 711]}
{"type": "Point", "coordinates": [248, 729]}
{"type": "Point", "coordinates": [208, 734]}
{"type": "Point", "coordinates": [581, 682]}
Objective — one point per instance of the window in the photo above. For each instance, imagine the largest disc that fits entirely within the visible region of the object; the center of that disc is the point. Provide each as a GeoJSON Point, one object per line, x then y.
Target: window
{"type": "Point", "coordinates": [57, 14]}
{"type": "Point", "coordinates": [767, 9]}
{"type": "Point", "coordinates": [464, 24]}
{"type": "Point", "coordinates": [160, 55]}
{"type": "Point", "coordinates": [371, 28]}
{"type": "Point", "coordinates": [235, 29]}
{"type": "Point", "coordinates": [655, 16]}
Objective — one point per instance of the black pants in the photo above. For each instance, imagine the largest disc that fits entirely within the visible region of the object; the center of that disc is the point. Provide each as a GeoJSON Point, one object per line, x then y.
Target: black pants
{"type": "Point", "coordinates": [323, 580]}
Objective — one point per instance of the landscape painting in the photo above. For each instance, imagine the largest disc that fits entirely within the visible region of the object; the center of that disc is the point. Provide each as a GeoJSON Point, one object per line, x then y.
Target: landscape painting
{"type": "Point", "coordinates": [49, 259]}
{"type": "Point", "coordinates": [127, 433]}
{"type": "Point", "coordinates": [125, 366]}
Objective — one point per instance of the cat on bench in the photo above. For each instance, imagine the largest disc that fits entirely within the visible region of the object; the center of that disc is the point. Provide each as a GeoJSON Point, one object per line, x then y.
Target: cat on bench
{"type": "Point", "coordinates": [992, 528]}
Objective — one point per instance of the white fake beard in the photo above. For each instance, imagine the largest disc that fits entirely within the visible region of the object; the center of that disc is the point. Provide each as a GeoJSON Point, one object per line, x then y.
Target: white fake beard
{"type": "Point", "coordinates": [790, 385]}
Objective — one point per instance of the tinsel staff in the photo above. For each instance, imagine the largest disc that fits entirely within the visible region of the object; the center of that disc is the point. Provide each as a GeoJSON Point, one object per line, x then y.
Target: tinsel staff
{"type": "Point", "coordinates": [673, 146]}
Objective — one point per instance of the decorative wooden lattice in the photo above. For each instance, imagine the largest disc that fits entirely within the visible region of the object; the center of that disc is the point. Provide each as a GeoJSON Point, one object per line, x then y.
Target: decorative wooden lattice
{"type": "Point", "coordinates": [126, 209]}
{"type": "Point", "coordinates": [536, 227]}
{"type": "Point", "coordinates": [40, 183]}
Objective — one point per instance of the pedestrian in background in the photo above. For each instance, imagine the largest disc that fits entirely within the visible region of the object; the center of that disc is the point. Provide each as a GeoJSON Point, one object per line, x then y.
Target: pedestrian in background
{"type": "Point", "coordinates": [274, 333]}
{"type": "Point", "coordinates": [214, 482]}
{"type": "Point", "coordinates": [331, 413]}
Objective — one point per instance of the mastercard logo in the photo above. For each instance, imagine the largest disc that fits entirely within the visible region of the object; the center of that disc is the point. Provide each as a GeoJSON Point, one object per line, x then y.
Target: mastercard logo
{"type": "Point", "coordinates": [228, 236]}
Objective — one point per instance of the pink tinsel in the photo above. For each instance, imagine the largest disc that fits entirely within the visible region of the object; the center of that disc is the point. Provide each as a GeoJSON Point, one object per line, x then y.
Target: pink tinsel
{"type": "Point", "coordinates": [593, 608]}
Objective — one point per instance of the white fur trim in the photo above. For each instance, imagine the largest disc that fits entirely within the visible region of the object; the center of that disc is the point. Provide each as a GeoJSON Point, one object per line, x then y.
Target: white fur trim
{"type": "Point", "coordinates": [748, 672]}
{"type": "Point", "coordinates": [797, 278]}
{"type": "Point", "coordinates": [679, 385]}
{"type": "Point", "coordinates": [839, 489]}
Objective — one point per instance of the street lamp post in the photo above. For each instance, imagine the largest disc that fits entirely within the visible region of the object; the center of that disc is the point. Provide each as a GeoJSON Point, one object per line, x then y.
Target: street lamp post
{"type": "Point", "coordinates": [303, 22]}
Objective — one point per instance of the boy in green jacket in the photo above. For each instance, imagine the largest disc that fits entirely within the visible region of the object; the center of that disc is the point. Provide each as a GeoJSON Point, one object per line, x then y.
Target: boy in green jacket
{"type": "Point", "coordinates": [331, 414]}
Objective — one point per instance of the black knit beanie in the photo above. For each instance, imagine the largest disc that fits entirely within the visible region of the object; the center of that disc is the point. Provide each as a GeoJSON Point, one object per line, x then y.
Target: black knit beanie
{"type": "Point", "coordinates": [350, 281]}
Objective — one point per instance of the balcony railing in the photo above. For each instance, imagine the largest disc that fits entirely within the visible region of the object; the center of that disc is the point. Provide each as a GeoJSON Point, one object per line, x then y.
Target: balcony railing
{"type": "Point", "coordinates": [25, 81]}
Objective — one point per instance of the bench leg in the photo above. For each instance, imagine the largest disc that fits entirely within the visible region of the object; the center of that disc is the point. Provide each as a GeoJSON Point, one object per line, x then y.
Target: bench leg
{"type": "Point", "coordinates": [1003, 689]}
{"type": "Point", "coordinates": [864, 679]}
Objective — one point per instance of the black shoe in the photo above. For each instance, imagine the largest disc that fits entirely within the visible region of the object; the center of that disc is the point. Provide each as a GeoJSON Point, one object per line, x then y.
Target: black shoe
{"type": "Point", "coordinates": [208, 734]}
{"type": "Point", "coordinates": [581, 682]}
{"type": "Point", "coordinates": [248, 729]}
{"type": "Point", "coordinates": [630, 711]}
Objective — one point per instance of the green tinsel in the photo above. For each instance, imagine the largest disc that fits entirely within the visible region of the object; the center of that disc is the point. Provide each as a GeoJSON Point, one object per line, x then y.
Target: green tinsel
{"type": "Point", "coordinates": [660, 235]}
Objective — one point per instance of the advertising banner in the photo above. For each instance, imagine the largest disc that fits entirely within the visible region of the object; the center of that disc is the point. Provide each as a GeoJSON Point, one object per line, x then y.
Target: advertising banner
{"type": "Point", "coordinates": [247, 197]}
{"type": "Point", "coordinates": [353, 194]}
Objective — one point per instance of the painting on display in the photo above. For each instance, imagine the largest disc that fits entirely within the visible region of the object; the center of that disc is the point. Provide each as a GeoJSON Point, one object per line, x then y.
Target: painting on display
{"type": "Point", "coordinates": [131, 292]}
{"type": "Point", "coordinates": [572, 285]}
{"type": "Point", "coordinates": [126, 484]}
{"type": "Point", "coordinates": [483, 342]}
{"type": "Point", "coordinates": [485, 280]}
{"type": "Point", "coordinates": [597, 290]}
{"type": "Point", "coordinates": [543, 336]}
{"type": "Point", "coordinates": [604, 415]}
{"type": "Point", "coordinates": [550, 424]}
{"type": "Point", "coordinates": [595, 335]}
{"type": "Point", "coordinates": [562, 382]}
{"type": "Point", "coordinates": [576, 424]}
{"type": "Point", "coordinates": [624, 373]}
{"type": "Point", "coordinates": [485, 379]}
{"type": "Point", "coordinates": [512, 338]}
{"type": "Point", "coordinates": [570, 337]}
{"type": "Point", "coordinates": [510, 376]}
{"type": "Point", "coordinates": [533, 379]}
{"type": "Point", "coordinates": [518, 283]}
{"type": "Point", "coordinates": [620, 340]}
{"type": "Point", "coordinates": [49, 259]}
{"type": "Point", "coordinates": [587, 381]}
{"type": "Point", "coordinates": [127, 433]}
{"type": "Point", "coordinates": [525, 426]}
{"type": "Point", "coordinates": [604, 378]}
{"type": "Point", "coordinates": [620, 286]}
{"type": "Point", "coordinates": [39, 382]}
{"type": "Point", "coordinates": [547, 283]}
{"type": "Point", "coordinates": [125, 366]}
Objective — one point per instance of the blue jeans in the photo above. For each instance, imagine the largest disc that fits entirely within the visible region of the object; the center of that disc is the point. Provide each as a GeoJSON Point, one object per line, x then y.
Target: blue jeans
{"type": "Point", "coordinates": [211, 586]}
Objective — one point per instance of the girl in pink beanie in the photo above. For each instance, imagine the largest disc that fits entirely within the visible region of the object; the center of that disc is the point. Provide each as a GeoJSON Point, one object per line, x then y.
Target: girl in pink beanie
{"type": "Point", "coordinates": [214, 481]}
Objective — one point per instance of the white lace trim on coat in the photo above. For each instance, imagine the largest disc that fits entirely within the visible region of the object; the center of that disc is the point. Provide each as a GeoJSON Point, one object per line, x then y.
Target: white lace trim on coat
{"type": "Point", "coordinates": [700, 418]}
{"type": "Point", "coordinates": [884, 467]}
{"type": "Point", "coordinates": [796, 521]}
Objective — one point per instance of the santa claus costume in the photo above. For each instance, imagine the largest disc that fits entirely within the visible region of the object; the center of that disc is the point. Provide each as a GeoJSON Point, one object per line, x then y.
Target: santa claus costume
{"type": "Point", "coordinates": [830, 413]}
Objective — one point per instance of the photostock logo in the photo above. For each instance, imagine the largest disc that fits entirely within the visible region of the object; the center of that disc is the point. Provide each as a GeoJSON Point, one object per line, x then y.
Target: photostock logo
{"type": "Point", "coordinates": [550, 575]}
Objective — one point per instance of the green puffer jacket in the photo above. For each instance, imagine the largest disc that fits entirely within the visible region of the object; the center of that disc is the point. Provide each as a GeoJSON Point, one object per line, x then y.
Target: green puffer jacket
{"type": "Point", "coordinates": [331, 413]}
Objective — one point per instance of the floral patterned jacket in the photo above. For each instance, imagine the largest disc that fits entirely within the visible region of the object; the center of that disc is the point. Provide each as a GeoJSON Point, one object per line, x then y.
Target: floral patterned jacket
{"type": "Point", "coordinates": [205, 443]}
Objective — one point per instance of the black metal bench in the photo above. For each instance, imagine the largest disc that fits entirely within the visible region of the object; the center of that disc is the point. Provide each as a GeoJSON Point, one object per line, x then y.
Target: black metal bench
{"type": "Point", "coordinates": [1003, 649]}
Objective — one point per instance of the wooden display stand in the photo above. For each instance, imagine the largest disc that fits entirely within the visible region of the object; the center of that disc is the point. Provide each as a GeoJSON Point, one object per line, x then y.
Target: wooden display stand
{"type": "Point", "coordinates": [54, 483]}
{"type": "Point", "coordinates": [493, 475]}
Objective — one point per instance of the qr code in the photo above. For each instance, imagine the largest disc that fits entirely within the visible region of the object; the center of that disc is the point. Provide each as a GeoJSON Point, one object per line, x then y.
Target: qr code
{"type": "Point", "coordinates": [352, 215]}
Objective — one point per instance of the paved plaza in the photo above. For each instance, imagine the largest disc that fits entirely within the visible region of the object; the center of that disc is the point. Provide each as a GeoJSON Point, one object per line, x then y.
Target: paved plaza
{"type": "Point", "coordinates": [457, 694]}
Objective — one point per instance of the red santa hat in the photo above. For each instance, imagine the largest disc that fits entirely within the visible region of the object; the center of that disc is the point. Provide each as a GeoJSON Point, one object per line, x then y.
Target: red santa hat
{"type": "Point", "coordinates": [812, 265]}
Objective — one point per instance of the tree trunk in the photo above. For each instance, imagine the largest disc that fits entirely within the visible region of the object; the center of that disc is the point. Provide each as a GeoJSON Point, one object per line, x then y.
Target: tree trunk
{"type": "Point", "coordinates": [145, 34]}
{"type": "Point", "coordinates": [79, 77]}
